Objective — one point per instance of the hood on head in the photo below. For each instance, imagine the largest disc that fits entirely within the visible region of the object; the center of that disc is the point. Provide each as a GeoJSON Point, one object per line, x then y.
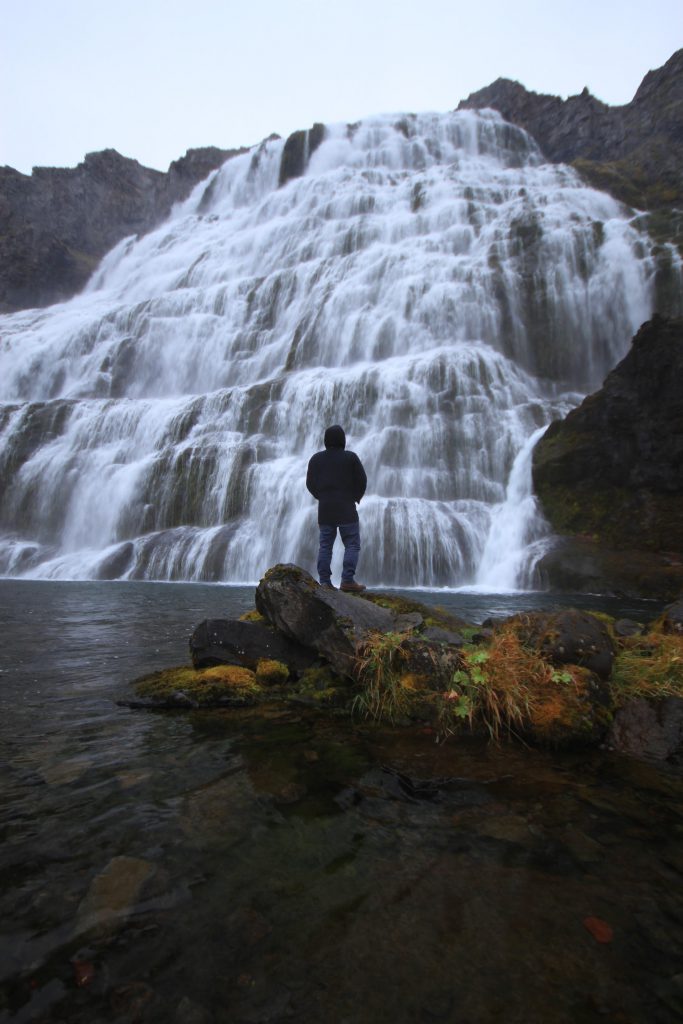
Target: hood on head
{"type": "Point", "coordinates": [335, 437]}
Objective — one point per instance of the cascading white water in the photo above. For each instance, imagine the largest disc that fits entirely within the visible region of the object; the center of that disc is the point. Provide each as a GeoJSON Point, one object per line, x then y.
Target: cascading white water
{"type": "Point", "coordinates": [429, 282]}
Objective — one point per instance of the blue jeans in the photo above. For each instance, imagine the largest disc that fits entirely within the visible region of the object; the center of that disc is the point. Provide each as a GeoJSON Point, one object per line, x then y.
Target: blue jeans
{"type": "Point", "coordinates": [350, 535]}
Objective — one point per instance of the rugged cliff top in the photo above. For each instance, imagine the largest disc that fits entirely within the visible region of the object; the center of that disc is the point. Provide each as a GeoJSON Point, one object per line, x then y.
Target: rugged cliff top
{"type": "Point", "coordinates": [57, 223]}
{"type": "Point", "coordinates": [634, 151]}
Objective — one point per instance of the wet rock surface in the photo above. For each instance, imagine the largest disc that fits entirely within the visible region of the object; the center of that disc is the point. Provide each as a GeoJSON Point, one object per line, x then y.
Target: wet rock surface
{"type": "Point", "coordinates": [332, 623]}
{"type": "Point", "coordinates": [234, 642]}
{"type": "Point", "coordinates": [610, 475]}
{"type": "Point", "coordinates": [648, 729]}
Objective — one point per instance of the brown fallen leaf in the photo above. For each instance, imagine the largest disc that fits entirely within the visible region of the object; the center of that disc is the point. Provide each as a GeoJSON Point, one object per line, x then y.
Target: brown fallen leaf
{"type": "Point", "coordinates": [599, 929]}
{"type": "Point", "coordinates": [84, 972]}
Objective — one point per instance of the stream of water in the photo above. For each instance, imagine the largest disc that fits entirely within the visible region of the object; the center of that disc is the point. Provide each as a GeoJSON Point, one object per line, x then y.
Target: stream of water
{"type": "Point", "coordinates": [287, 866]}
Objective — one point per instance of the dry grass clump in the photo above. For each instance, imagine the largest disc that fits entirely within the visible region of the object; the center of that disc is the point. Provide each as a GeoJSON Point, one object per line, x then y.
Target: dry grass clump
{"type": "Point", "coordinates": [649, 666]}
{"type": "Point", "coordinates": [509, 688]}
{"type": "Point", "coordinates": [383, 693]}
{"type": "Point", "coordinates": [496, 688]}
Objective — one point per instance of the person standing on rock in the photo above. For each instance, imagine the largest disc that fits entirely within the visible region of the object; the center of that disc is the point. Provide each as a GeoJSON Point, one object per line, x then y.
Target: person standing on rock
{"type": "Point", "coordinates": [337, 480]}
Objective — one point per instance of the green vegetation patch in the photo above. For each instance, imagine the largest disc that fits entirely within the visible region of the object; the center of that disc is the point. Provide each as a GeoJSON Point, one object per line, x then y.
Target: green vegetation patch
{"type": "Point", "coordinates": [508, 689]}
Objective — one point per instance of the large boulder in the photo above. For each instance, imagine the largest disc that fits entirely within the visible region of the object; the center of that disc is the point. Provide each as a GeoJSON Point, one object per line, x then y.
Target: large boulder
{"type": "Point", "coordinates": [568, 637]}
{"type": "Point", "coordinates": [235, 642]}
{"type": "Point", "coordinates": [612, 470]}
{"type": "Point", "coordinates": [330, 622]}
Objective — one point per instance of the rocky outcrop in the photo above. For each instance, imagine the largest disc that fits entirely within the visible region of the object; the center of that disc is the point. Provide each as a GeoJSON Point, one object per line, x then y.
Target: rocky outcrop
{"type": "Point", "coordinates": [553, 678]}
{"type": "Point", "coordinates": [57, 223]}
{"type": "Point", "coordinates": [298, 150]}
{"type": "Point", "coordinates": [610, 475]}
{"type": "Point", "coordinates": [334, 624]}
{"type": "Point", "coordinates": [634, 151]}
{"type": "Point", "coordinates": [568, 637]}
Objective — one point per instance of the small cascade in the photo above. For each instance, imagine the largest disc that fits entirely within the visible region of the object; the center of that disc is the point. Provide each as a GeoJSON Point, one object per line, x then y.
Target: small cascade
{"type": "Point", "coordinates": [518, 533]}
{"type": "Point", "coordinates": [427, 281]}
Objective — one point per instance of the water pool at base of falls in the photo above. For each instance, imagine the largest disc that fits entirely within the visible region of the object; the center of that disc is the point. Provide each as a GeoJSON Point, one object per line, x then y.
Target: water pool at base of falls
{"type": "Point", "coordinates": [284, 866]}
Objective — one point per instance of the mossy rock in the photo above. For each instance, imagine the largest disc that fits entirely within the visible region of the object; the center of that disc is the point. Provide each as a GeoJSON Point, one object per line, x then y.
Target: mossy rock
{"type": "Point", "coordinates": [252, 616]}
{"type": "Point", "coordinates": [271, 673]}
{"type": "Point", "coordinates": [432, 615]}
{"type": "Point", "coordinates": [218, 686]}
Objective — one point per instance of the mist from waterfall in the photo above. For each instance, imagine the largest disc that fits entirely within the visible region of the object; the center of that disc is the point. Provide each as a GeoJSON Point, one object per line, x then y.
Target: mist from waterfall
{"type": "Point", "coordinates": [428, 282]}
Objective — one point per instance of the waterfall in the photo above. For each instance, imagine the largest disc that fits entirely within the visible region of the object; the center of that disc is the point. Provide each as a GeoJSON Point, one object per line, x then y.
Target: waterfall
{"type": "Point", "coordinates": [427, 281]}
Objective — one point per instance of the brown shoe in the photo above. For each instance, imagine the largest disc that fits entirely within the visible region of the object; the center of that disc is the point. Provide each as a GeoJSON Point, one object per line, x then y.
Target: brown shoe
{"type": "Point", "coordinates": [353, 587]}
{"type": "Point", "coordinates": [327, 586]}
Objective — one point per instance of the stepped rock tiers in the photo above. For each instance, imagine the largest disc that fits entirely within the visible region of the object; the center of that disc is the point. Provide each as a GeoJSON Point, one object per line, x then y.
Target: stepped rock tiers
{"type": "Point", "coordinates": [426, 280]}
{"type": "Point", "coordinates": [566, 677]}
{"type": "Point", "coordinates": [610, 475]}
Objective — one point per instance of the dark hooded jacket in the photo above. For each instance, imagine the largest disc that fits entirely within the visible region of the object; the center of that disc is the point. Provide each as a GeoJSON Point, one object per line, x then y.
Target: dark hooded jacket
{"type": "Point", "coordinates": [337, 479]}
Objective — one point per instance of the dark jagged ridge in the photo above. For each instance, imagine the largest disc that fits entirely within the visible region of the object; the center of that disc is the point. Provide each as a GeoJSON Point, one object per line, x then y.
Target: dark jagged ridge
{"type": "Point", "coordinates": [57, 223]}
{"type": "Point", "coordinates": [634, 151]}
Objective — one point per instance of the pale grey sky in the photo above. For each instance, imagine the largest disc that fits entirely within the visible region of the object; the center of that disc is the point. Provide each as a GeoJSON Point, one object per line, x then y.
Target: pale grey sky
{"type": "Point", "coordinates": [152, 78]}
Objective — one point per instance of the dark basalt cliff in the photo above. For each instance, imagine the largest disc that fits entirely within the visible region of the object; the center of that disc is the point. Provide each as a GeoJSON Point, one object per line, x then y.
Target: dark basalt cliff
{"type": "Point", "coordinates": [634, 151]}
{"type": "Point", "coordinates": [57, 223]}
{"type": "Point", "coordinates": [610, 475]}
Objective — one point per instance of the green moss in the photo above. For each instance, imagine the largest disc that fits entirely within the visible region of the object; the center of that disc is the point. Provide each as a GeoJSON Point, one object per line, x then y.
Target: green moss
{"type": "Point", "coordinates": [271, 673]}
{"type": "Point", "coordinates": [203, 686]}
{"type": "Point", "coordinates": [319, 685]}
{"type": "Point", "coordinates": [252, 616]}
{"type": "Point", "coordinates": [433, 615]}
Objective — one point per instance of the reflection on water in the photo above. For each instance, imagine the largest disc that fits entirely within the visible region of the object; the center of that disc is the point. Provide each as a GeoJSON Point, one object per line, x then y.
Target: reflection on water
{"type": "Point", "coordinates": [231, 866]}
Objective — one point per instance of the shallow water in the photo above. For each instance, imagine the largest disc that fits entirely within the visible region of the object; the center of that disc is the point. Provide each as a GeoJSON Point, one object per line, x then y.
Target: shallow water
{"type": "Point", "coordinates": [226, 866]}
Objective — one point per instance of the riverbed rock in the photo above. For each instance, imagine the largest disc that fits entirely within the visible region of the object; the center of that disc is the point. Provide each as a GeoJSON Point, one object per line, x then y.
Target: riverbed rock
{"type": "Point", "coordinates": [113, 893]}
{"type": "Point", "coordinates": [650, 730]}
{"type": "Point", "coordinates": [330, 622]}
{"type": "Point", "coordinates": [568, 637]}
{"type": "Point", "coordinates": [585, 565]}
{"type": "Point", "coordinates": [235, 642]}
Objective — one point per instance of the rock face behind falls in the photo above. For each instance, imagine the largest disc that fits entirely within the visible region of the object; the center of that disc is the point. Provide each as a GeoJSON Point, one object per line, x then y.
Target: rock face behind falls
{"type": "Point", "coordinates": [58, 223]}
{"type": "Point", "coordinates": [612, 470]}
{"type": "Point", "coordinates": [430, 282]}
{"type": "Point", "coordinates": [635, 150]}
